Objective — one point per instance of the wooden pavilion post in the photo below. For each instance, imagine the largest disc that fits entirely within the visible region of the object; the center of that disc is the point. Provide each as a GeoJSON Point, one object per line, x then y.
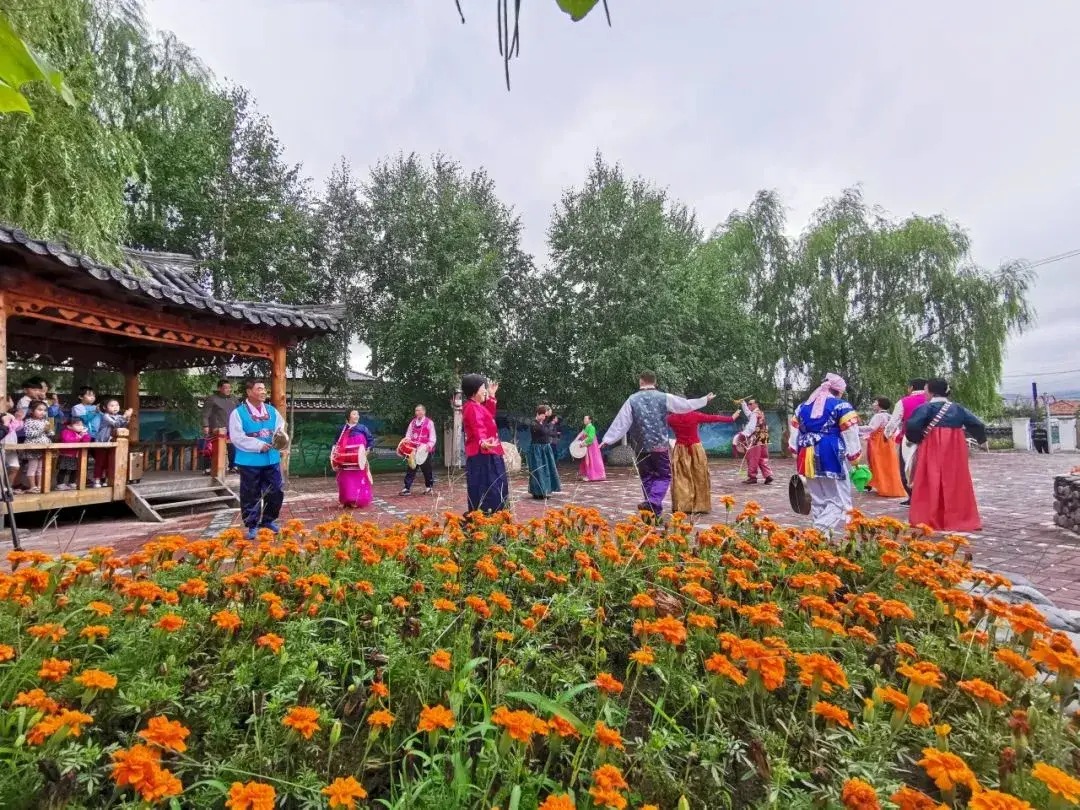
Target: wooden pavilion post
{"type": "Point", "coordinates": [277, 390]}
{"type": "Point", "coordinates": [131, 399]}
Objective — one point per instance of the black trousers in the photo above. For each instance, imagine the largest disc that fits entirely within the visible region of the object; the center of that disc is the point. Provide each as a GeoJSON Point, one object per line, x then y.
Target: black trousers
{"type": "Point", "coordinates": [903, 474]}
{"type": "Point", "coordinates": [426, 469]}
{"type": "Point", "coordinates": [1042, 446]}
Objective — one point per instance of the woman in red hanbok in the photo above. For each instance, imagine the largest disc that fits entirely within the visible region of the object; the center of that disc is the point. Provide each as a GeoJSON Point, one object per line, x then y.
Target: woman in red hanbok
{"type": "Point", "coordinates": [942, 493]}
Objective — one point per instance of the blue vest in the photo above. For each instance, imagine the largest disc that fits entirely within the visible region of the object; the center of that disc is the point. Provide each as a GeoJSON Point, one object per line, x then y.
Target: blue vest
{"type": "Point", "coordinates": [251, 427]}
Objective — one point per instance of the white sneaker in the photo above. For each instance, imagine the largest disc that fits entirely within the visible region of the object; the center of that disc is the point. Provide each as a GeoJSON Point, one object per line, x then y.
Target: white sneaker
{"type": "Point", "coordinates": [95, 484]}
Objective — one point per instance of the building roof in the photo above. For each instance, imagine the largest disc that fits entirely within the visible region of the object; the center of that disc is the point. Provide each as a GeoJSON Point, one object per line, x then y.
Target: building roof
{"type": "Point", "coordinates": [162, 279]}
{"type": "Point", "coordinates": [1065, 407]}
{"type": "Point", "coordinates": [236, 371]}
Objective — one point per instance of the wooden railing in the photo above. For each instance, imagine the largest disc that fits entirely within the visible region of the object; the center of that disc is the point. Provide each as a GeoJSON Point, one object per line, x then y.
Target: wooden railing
{"type": "Point", "coordinates": [52, 498]}
{"type": "Point", "coordinates": [184, 455]}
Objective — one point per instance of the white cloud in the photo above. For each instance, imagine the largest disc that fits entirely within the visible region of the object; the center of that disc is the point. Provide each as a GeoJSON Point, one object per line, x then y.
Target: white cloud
{"type": "Point", "coordinates": [961, 108]}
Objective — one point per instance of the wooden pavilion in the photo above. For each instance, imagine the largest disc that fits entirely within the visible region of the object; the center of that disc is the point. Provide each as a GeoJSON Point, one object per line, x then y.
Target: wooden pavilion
{"type": "Point", "coordinates": [60, 308]}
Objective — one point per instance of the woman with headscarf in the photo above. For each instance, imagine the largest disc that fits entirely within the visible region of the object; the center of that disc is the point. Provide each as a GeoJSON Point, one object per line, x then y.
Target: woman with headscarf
{"type": "Point", "coordinates": [543, 474]}
{"type": "Point", "coordinates": [485, 470]}
{"type": "Point", "coordinates": [354, 485]}
{"type": "Point", "coordinates": [825, 438]}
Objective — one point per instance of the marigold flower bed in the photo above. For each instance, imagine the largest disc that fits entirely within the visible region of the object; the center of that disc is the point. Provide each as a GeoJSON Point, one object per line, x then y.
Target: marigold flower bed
{"type": "Point", "coordinates": [560, 663]}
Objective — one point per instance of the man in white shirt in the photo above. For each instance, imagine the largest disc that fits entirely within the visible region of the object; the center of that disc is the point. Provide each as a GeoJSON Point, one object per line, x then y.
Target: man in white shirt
{"type": "Point", "coordinates": [252, 426]}
{"type": "Point", "coordinates": [643, 419]}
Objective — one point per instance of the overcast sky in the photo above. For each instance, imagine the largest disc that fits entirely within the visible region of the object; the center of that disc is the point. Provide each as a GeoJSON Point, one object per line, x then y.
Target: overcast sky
{"type": "Point", "coordinates": [963, 108]}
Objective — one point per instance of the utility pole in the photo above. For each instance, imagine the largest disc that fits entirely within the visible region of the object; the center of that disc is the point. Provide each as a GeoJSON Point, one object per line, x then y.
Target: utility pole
{"type": "Point", "coordinates": [1048, 399]}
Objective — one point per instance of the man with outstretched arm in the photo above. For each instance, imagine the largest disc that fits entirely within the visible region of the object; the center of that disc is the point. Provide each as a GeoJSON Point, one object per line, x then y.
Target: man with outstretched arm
{"type": "Point", "coordinates": [643, 420]}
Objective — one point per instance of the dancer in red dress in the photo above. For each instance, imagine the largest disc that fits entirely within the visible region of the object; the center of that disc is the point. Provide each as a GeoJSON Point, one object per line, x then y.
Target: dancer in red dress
{"type": "Point", "coordinates": [942, 494]}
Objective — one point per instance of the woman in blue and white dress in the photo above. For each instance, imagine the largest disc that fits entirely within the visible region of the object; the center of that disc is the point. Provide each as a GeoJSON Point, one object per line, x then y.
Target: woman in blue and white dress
{"type": "Point", "coordinates": [825, 439]}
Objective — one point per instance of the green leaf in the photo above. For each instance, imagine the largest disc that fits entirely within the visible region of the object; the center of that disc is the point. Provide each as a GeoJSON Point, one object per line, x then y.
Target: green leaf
{"type": "Point", "coordinates": [515, 797]}
{"type": "Point", "coordinates": [577, 9]}
{"type": "Point", "coordinates": [551, 707]}
{"type": "Point", "coordinates": [11, 100]}
{"type": "Point", "coordinates": [20, 65]}
{"type": "Point", "coordinates": [570, 694]}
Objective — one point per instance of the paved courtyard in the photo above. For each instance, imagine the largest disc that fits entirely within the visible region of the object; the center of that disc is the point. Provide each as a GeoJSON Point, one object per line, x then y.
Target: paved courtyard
{"type": "Point", "coordinates": [1015, 492]}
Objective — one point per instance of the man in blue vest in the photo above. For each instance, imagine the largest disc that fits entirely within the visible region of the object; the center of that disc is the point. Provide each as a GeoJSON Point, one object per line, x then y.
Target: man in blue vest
{"type": "Point", "coordinates": [252, 426]}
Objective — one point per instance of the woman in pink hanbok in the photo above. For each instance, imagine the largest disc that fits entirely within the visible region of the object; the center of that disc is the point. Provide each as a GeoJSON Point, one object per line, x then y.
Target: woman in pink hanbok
{"type": "Point", "coordinates": [592, 466]}
{"type": "Point", "coordinates": [354, 484]}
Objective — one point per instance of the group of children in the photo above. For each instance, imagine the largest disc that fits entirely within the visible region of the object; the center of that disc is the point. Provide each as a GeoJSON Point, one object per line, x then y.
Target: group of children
{"type": "Point", "coordinates": [38, 418]}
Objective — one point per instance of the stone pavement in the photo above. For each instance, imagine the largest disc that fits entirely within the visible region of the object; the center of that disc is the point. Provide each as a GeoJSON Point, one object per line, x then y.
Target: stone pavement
{"type": "Point", "coordinates": [1015, 492]}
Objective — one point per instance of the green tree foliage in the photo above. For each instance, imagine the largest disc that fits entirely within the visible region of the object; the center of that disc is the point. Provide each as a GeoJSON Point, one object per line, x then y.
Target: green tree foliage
{"type": "Point", "coordinates": [880, 301]}
{"type": "Point", "coordinates": [632, 286]}
{"type": "Point", "coordinates": [439, 277]}
{"type": "Point", "coordinates": [63, 171]}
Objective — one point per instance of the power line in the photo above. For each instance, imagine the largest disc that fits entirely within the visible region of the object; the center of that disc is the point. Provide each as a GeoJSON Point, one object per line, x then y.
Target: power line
{"type": "Point", "coordinates": [1060, 257]}
{"type": "Point", "coordinates": [1042, 373]}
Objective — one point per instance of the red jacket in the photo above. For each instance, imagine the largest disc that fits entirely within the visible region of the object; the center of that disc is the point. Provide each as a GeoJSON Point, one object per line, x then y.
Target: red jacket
{"type": "Point", "coordinates": [479, 424]}
{"type": "Point", "coordinates": [685, 425]}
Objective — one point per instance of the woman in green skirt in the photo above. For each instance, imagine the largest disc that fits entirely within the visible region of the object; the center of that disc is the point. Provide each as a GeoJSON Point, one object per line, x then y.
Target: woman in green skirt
{"type": "Point", "coordinates": [543, 474]}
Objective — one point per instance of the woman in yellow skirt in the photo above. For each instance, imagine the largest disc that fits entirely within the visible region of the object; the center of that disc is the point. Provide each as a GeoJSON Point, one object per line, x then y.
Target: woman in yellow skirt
{"type": "Point", "coordinates": [690, 484]}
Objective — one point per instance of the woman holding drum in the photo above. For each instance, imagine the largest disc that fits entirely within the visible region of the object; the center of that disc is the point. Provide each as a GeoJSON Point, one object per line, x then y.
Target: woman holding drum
{"type": "Point", "coordinates": [348, 458]}
{"type": "Point", "coordinates": [586, 448]}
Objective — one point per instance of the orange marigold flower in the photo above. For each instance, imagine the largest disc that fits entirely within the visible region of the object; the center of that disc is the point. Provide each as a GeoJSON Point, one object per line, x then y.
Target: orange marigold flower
{"type": "Point", "coordinates": [643, 657]}
{"type": "Point", "coordinates": [720, 665]}
{"type": "Point", "coordinates": [46, 727]}
{"type": "Point", "coordinates": [251, 796]}
{"type": "Point", "coordinates": [562, 727]}
{"type": "Point", "coordinates": [54, 669]}
{"type": "Point", "coordinates": [51, 631]}
{"type": "Point", "coordinates": [820, 671]}
{"type": "Point", "coordinates": [897, 699]}
{"type": "Point", "coordinates": [7, 653]}
{"type": "Point", "coordinates": [272, 641]}
{"type": "Point", "coordinates": [923, 674]}
{"type": "Point", "coordinates": [520, 725]}
{"type": "Point", "coordinates": [379, 689]}
{"type": "Point", "coordinates": [642, 601]}
{"type": "Point", "coordinates": [170, 623]}
{"type": "Point", "coordinates": [303, 719]}
{"type": "Point", "coordinates": [947, 770]}
{"type": "Point", "coordinates": [37, 699]}
{"type": "Point", "coordinates": [444, 605]}
{"type": "Point", "coordinates": [1058, 782]}
{"type": "Point", "coordinates": [344, 792]}
{"type": "Point", "coordinates": [166, 734]}
{"type": "Point", "coordinates": [503, 636]}
{"type": "Point", "coordinates": [920, 715]}
{"type": "Point", "coordinates": [906, 650]}
{"type": "Point", "coordinates": [858, 795]}
{"type": "Point", "coordinates": [557, 801]}
{"type": "Point", "coordinates": [1016, 662]}
{"type": "Point", "coordinates": [894, 609]}
{"type": "Point", "coordinates": [995, 800]}
{"type": "Point", "coordinates": [92, 632]}
{"type": "Point", "coordinates": [440, 659]}
{"type": "Point", "coordinates": [608, 781]}
{"type": "Point", "coordinates": [380, 719]}
{"type": "Point", "coordinates": [984, 692]}
{"type": "Point", "coordinates": [833, 714]}
{"type": "Point", "coordinates": [605, 682]}
{"type": "Point", "coordinates": [100, 608]}
{"type": "Point", "coordinates": [135, 767]}
{"type": "Point", "coordinates": [227, 621]}
{"type": "Point", "coordinates": [673, 631]}
{"type": "Point", "coordinates": [606, 736]}
{"type": "Point", "coordinates": [433, 718]}
{"type": "Point", "coordinates": [910, 799]}
{"type": "Point", "coordinates": [96, 679]}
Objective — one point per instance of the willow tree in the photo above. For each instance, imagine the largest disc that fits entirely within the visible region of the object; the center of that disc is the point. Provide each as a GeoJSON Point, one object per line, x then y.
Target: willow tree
{"type": "Point", "coordinates": [879, 301]}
